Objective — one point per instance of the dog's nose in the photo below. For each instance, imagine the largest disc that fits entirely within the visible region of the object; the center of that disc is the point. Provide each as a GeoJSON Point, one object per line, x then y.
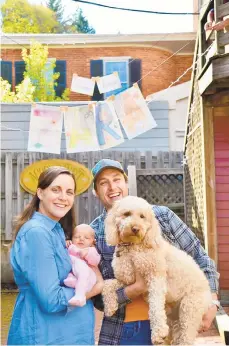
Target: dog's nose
{"type": "Point", "coordinates": [135, 230]}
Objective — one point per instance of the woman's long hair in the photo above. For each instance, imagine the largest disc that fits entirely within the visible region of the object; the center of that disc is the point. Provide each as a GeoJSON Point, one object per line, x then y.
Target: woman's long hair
{"type": "Point", "coordinates": [68, 222]}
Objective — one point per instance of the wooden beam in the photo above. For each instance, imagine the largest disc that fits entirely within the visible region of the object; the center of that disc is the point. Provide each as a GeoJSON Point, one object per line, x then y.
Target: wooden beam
{"type": "Point", "coordinates": [132, 180]}
{"type": "Point", "coordinates": [206, 80]}
{"type": "Point", "coordinates": [223, 10]}
{"type": "Point", "coordinates": [221, 111]}
{"type": "Point", "coordinates": [223, 38]}
{"type": "Point", "coordinates": [218, 100]}
{"type": "Point", "coordinates": [209, 175]}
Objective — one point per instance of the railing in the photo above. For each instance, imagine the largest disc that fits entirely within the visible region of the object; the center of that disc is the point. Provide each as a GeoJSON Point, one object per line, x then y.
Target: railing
{"type": "Point", "coordinates": [214, 29]}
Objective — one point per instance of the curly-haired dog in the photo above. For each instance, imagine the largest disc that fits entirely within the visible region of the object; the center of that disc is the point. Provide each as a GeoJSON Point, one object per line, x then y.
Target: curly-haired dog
{"type": "Point", "coordinates": [172, 277]}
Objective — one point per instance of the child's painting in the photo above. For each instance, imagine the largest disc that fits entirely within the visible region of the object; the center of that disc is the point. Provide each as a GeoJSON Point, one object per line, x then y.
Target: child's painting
{"type": "Point", "coordinates": [82, 85]}
{"type": "Point", "coordinates": [107, 125]}
{"type": "Point", "coordinates": [133, 112]}
{"type": "Point", "coordinates": [108, 82]}
{"type": "Point", "coordinates": [80, 129]}
{"type": "Point", "coordinates": [45, 129]}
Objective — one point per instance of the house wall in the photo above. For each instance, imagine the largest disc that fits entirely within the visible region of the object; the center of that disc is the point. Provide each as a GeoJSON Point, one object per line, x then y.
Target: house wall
{"type": "Point", "coordinates": [177, 97]}
{"type": "Point", "coordinates": [78, 61]}
{"type": "Point", "coordinates": [18, 116]}
{"type": "Point", "coordinates": [221, 144]}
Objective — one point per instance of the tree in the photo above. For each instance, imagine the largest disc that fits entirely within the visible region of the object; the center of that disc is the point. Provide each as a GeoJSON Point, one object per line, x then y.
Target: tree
{"type": "Point", "coordinates": [18, 16]}
{"type": "Point", "coordinates": [81, 23]}
{"type": "Point", "coordinates": [40, 69]}
{"type": "Point", "coordinates": [24, 91]}
{"type": "Point", "coordinates": [39, 78]}
{"type": "Point", "coordinates": [77, 23]}
{"type": "Point", "coordinates": [57, 7]}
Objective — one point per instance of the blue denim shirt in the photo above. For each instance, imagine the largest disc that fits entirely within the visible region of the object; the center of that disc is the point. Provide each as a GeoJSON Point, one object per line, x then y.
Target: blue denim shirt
{"type": "Point", "coordinates": [41, 315]}
{"type": "Point", "coordinates": [176, 232]}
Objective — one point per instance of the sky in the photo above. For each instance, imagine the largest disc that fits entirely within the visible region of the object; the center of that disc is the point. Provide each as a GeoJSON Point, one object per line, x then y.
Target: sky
{"type": "Point", "coordinates": [109, 21]}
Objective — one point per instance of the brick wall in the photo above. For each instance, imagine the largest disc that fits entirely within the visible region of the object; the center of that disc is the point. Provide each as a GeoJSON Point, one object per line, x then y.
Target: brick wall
{"type": "Point", "coordinates": [78, 61]}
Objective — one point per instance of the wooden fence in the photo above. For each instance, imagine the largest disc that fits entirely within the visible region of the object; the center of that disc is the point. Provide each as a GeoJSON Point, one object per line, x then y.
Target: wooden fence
{"type": "Point", "coordinates": [14, 199]}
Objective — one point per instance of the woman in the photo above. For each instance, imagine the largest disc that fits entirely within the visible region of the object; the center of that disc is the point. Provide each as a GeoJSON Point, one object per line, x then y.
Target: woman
{"type": "Point", "coordinates": [41, 262]}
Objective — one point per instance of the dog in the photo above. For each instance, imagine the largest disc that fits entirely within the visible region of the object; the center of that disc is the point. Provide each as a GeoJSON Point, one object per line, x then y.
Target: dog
{"type": "Point", "coordinates": [178, 292]}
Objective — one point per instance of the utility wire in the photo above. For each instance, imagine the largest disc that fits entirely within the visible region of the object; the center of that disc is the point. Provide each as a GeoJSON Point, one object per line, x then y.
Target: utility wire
{"type": "Point", "coordinates": [136, 10]}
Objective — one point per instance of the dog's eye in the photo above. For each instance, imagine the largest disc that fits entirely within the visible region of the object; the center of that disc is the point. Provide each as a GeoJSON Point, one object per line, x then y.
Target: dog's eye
{"type": "Point", "coordinates": [142, 216]}
{"type": "Point", "coordinates": [127, 213]}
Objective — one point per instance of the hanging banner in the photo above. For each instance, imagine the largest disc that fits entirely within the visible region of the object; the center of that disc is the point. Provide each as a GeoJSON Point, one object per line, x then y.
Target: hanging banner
{"type": "Point", "coordinates": [82, 85]}
{"type": "Point", "coordinates": [108, 83]}
{"type": "Point", "coordinates": [45, 129]}
{"type": "Point", "coordinates": [108, 130]}
{"type": "Point", "coordinates": [80, 130]}
{"type": "Point", "coordinates": [133, 112]}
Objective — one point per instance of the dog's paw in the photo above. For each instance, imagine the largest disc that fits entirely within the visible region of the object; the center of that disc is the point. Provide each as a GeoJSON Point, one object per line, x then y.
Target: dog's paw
{"type": "Point", "coordinates": [158, 336]}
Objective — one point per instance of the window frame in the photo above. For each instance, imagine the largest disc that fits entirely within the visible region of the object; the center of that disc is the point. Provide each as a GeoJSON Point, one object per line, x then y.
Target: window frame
{"type": "Point", "coordinates": [125, 59]}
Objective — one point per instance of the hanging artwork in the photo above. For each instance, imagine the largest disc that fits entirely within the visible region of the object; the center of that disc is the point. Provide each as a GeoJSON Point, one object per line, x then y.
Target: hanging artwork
{"type": "Point", "coordinates": [82, 85]}
{"type": "Point", "coordinates": [108, 83]}
{"type": "Point", "coordinates": [107, 125]}
{"type": "Point", "coordinates": [45, 129]}
{"type": "Point", "coordinates": [133, 112]}
{"type": "Point", "coordinates": [80, 129]}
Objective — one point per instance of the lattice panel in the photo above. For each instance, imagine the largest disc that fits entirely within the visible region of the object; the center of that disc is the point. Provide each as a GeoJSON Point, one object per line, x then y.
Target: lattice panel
{"type": "Point", "coordinates": [161, 189]}
{"type": "Point", "coordinates": [193, 182]}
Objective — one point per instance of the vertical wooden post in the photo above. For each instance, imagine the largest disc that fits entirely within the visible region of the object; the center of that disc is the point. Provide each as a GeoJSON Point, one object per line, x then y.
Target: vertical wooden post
{"type": "Point", "coordinates": [209, 178]}
{"type": "Point", "coordinates": [8, 196]}
{"type": "Point", "coordinates": [132, 180]}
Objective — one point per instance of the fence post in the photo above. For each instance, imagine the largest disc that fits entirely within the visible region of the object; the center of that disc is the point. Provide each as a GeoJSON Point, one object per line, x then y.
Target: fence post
{"type": "Point", "coordinates": [132, 180]}
{"type": "Point", "coordinates": [8, 195]}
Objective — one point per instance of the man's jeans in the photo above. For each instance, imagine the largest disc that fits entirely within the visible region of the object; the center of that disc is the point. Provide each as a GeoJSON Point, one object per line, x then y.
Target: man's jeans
{"type": "Point", "coordinates": [136, 333]}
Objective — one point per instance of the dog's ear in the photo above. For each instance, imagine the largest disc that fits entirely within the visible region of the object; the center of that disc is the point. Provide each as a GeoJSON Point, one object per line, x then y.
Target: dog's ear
{"type": "Point", "coordinates": [153, 235]}
{"type": "Point", "coordinates": [111, 231]}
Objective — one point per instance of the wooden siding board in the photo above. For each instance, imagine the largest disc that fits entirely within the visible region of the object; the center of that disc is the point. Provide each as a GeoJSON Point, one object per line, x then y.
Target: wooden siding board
{"type": "Point", "coordinates": [221, 205]}
{"type": "Point", "coordinates": [222, 188]}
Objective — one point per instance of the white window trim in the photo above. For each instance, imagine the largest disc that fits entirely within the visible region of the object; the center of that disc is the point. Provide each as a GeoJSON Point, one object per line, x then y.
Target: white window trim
{"type": "Point", "coordinates": [118, 59]}
{"type": "Point", "coordinates": [115, 58]}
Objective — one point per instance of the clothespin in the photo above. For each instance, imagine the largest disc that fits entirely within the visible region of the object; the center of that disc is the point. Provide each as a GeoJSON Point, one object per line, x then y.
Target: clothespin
{"type": "Point", "coordinates": [33, 105]}
{"type": "Point", "coordinates": [115, 73]}
{"type": "Point", "coordinates": [93, 79]}
{"type": "Point", "coordinates": [91, 105]}
{"type": "Point", "coordinates": [63, 108]}
{"type": "Point", "coordinates": [111, 98]}
{"type": "Point", "coordinates": [136, 85]}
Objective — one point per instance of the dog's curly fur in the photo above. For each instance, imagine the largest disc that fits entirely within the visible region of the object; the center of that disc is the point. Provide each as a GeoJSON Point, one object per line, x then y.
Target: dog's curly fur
{"type": "Point", "coordinates": [178, 291]}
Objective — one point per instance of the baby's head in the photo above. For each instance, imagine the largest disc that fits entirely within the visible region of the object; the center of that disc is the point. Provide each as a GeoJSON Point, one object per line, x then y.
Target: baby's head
{"type": "Point", "coordinates": [83, 236]}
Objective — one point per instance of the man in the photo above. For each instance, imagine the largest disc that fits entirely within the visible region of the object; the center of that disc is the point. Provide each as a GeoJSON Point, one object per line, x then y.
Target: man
{"type": "Point", "coordinates": [130, 325]}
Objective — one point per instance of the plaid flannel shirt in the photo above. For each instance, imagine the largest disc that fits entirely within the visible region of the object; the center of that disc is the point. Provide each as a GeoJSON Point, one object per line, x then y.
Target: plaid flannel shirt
{"type": "Point", "coordinates": [176, 232]}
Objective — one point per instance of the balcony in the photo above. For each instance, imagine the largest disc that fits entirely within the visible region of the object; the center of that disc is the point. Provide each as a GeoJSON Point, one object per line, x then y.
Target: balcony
{"type": "Point", "coordinates": [214, 47]}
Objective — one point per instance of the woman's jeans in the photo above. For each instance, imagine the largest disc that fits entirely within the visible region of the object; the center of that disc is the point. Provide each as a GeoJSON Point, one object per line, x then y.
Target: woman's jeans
{"type": "Point", "coordinates": [136, 333]}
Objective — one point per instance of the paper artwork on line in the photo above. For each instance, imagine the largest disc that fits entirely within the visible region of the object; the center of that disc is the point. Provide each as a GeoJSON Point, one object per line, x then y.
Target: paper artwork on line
{"type": "Point", "coordinates": [82, 85]}
{"type": "Point", "coordinates": [45, 129]}
{"type": "Point", "coordinates": [109, 83]}
{"type": "Point", "coordinates": [80, 130]}
{"type": "Point", "coordinates": [109, 133]}
{"type": "Point", "coordinates": [133, 112]}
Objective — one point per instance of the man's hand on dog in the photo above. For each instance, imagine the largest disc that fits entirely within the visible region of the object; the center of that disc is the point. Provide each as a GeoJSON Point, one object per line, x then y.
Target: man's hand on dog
{"type": "Point", "coordinates": [139, 287]}
{"type": "Point", "coordinates": [209, 316]}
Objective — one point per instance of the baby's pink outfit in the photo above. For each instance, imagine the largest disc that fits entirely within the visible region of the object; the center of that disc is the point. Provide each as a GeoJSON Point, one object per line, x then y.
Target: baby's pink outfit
{"type": "Point", "coordinates": [82, 277]}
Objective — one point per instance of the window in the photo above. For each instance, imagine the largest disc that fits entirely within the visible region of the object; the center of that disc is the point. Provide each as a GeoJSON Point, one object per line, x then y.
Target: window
{"type": "Point", "coordinates": [60, 67]}
{"type": "Point", "coordinates": [123, 71]}
{"type": "Point", "coordinates": [129, 71]}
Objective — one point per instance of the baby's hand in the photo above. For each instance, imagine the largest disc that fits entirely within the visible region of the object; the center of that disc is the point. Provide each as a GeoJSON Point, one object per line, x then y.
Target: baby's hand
{"type": "Point", "coordinates": [83, 252]}
{"type": "Point", "coordinates": [68, 243]}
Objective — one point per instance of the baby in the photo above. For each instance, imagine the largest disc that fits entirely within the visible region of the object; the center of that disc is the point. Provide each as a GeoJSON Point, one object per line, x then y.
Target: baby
{"type": "Point", "coordinates": [83, 255]}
